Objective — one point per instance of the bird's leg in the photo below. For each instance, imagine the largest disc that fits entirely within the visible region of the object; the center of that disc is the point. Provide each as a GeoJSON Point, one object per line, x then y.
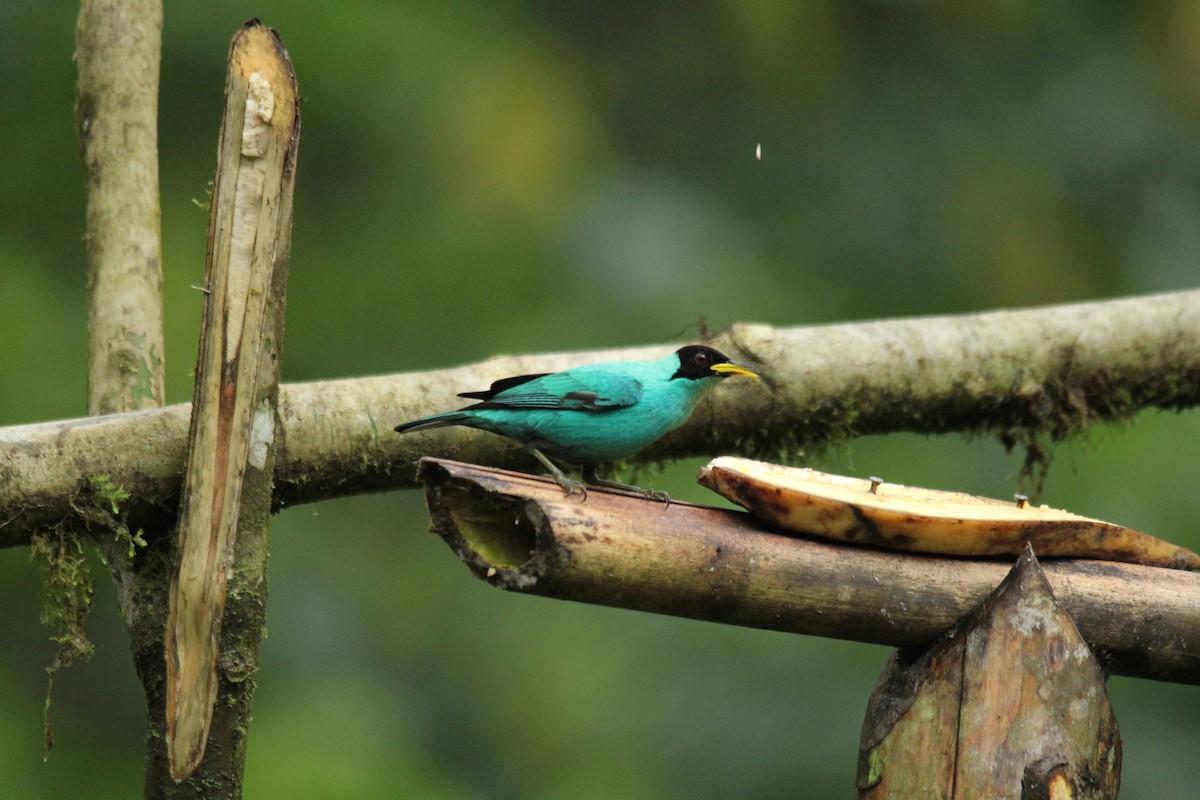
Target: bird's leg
{"type": "Point", "coordinates": [590, 476]}
{"type": "Point", "coordinates": [569, 486]}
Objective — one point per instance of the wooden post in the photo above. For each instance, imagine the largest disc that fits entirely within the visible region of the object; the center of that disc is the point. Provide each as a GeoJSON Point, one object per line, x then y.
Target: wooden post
{"type": "Point", "coordinates": [226, 501]}
{"type": "Point", "coordinates": [118, 49]}
{"type": "Point", "coordinates": [1010, 704]}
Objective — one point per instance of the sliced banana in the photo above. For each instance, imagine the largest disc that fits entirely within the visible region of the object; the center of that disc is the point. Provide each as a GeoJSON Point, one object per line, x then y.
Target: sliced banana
{"type": "Point", "coordinates": [873, 512]}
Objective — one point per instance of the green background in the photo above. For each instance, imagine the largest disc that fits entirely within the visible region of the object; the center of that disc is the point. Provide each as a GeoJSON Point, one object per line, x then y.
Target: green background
{"type": "Point", "coordinates": [478, 178]}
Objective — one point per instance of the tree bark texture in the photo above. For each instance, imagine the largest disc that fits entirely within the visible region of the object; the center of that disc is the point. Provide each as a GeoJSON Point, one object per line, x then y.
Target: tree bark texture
{"type": "Point", "coordinates": [1032, 375]}
{"type": "Point", "coordinates": [520, 533]}
{"type": "Point", "coordinates": [118, 49]}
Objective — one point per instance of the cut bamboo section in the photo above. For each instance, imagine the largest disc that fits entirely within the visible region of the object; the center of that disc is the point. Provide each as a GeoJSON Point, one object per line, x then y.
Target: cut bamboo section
{"type": "Point", "coordinates": [519, 533]}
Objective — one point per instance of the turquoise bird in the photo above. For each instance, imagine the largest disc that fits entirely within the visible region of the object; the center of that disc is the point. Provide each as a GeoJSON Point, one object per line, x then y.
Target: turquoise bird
{"type": "Point", "coordinates": [594, 414]}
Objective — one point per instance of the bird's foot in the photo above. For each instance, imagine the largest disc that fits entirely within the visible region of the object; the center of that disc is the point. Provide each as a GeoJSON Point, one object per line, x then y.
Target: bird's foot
{"type": "Point", "coordinates": [570, 487]}
{"type": "Point", "coordinates": [589, 475]}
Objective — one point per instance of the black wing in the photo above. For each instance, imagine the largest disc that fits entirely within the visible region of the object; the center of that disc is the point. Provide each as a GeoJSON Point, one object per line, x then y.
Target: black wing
{"type": "Point", "coordinates": [502, 385]}
{"type": "Point", "coordinates": [573, 390]}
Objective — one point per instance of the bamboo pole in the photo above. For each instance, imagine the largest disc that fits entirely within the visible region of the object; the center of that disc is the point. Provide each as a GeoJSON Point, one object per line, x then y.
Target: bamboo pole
{"type": "Point", "coordinates": [1041, 371]}
{"type": "Point", "coordinates": [520, 533]}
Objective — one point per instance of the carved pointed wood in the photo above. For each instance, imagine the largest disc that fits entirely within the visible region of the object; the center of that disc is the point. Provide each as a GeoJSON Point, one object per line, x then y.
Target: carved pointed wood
{"type": "Point", "coordinates": [1011, 704]}
{"type": "Point", "coordinates": [228, 482]}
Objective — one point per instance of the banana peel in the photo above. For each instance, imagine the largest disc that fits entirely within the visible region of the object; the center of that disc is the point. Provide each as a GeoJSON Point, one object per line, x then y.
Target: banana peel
{"type": "Point", "coordinates": [872, 512]}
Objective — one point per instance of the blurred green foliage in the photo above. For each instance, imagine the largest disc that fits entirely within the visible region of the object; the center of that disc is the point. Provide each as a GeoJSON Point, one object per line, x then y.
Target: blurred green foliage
{"type": "Point", "coordinates": [477, 178]}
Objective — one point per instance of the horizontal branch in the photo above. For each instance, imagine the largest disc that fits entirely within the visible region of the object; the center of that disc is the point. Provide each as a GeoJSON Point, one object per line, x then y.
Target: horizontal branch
{"type": "Point", "coordinates": [520, 533]}
{"type": "Point", "coordinates": [1051, 371]}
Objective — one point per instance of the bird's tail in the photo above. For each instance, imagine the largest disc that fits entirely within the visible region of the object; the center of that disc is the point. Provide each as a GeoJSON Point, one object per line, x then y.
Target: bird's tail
{"type": "Point", "coordinates": [436, 421]}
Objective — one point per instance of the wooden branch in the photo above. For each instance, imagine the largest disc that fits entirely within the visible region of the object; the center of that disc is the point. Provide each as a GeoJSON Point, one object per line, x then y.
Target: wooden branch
{"type": "Point", "coordinates": [520, 533]}
{"type": "Point", "coordinates": [118, 48]}
{"type": "Point", "coordinates": [235, 409]}
{"type": "Point", "coordinates": [1045, 368]}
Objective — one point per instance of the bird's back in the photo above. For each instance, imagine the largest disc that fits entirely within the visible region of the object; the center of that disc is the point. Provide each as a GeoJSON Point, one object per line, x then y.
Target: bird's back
{"type": "Point", "coordinates": [591, 414]}
{"type": "Point", "coordinates": [622, 408]}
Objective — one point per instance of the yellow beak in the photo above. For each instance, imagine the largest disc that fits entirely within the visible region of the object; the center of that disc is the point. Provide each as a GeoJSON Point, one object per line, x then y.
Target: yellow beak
{"type": "Point", "coordinates": [734, 368]}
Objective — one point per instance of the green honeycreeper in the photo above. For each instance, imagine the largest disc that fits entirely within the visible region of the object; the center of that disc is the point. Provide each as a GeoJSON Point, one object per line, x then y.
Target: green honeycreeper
{"type": "Point", "coordinates": [593, 414]}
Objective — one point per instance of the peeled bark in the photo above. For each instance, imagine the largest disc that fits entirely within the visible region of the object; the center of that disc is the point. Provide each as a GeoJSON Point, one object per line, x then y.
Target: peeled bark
{"type": "Point", "coordinates": [228, 485]}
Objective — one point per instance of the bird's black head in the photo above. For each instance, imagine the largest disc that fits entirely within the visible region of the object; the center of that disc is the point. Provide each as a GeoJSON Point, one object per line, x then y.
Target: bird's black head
{"type": "Point", "coordinates": [698, 361]}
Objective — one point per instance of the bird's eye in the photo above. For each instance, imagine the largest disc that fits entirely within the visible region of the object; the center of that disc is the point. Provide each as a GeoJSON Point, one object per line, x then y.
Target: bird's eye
{"type": "Point", "coordinates": [700, 359]}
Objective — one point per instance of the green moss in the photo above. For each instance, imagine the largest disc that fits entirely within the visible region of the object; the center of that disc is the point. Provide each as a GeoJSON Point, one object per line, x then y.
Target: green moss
{"type": "Point", "coordinates": [1037, 416]}
{"type": "Point", "coordinates": [68, 586]}
{"type": "Point", "coordinates": [107, 493]}
{"type": "Point", "coordinates": [68, 592]}
{"type": "Point", "coordinates": [100, 507]}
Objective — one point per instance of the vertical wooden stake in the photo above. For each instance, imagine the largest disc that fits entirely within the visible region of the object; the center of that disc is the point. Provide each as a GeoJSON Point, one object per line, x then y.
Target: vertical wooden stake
{"type": "Point", "coordinates": [1011, 704]}
{"type": "Point", "coordinates": [118, 50]}
{"type": "Point", "coordinates": [234, 413]}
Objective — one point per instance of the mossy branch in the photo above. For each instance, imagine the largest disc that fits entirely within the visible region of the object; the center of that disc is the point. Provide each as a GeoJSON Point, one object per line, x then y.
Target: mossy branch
{"type": "Point", "coordinates": [1035, 375]}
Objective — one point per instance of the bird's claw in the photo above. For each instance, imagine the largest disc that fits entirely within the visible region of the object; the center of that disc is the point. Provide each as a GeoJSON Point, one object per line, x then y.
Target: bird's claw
{"type": "Point", "coordinates": [570, 487]}
{"type": "Point", "coordinates": [655, 494]}
{"type": "Point", "coordinates": [593, 479]}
